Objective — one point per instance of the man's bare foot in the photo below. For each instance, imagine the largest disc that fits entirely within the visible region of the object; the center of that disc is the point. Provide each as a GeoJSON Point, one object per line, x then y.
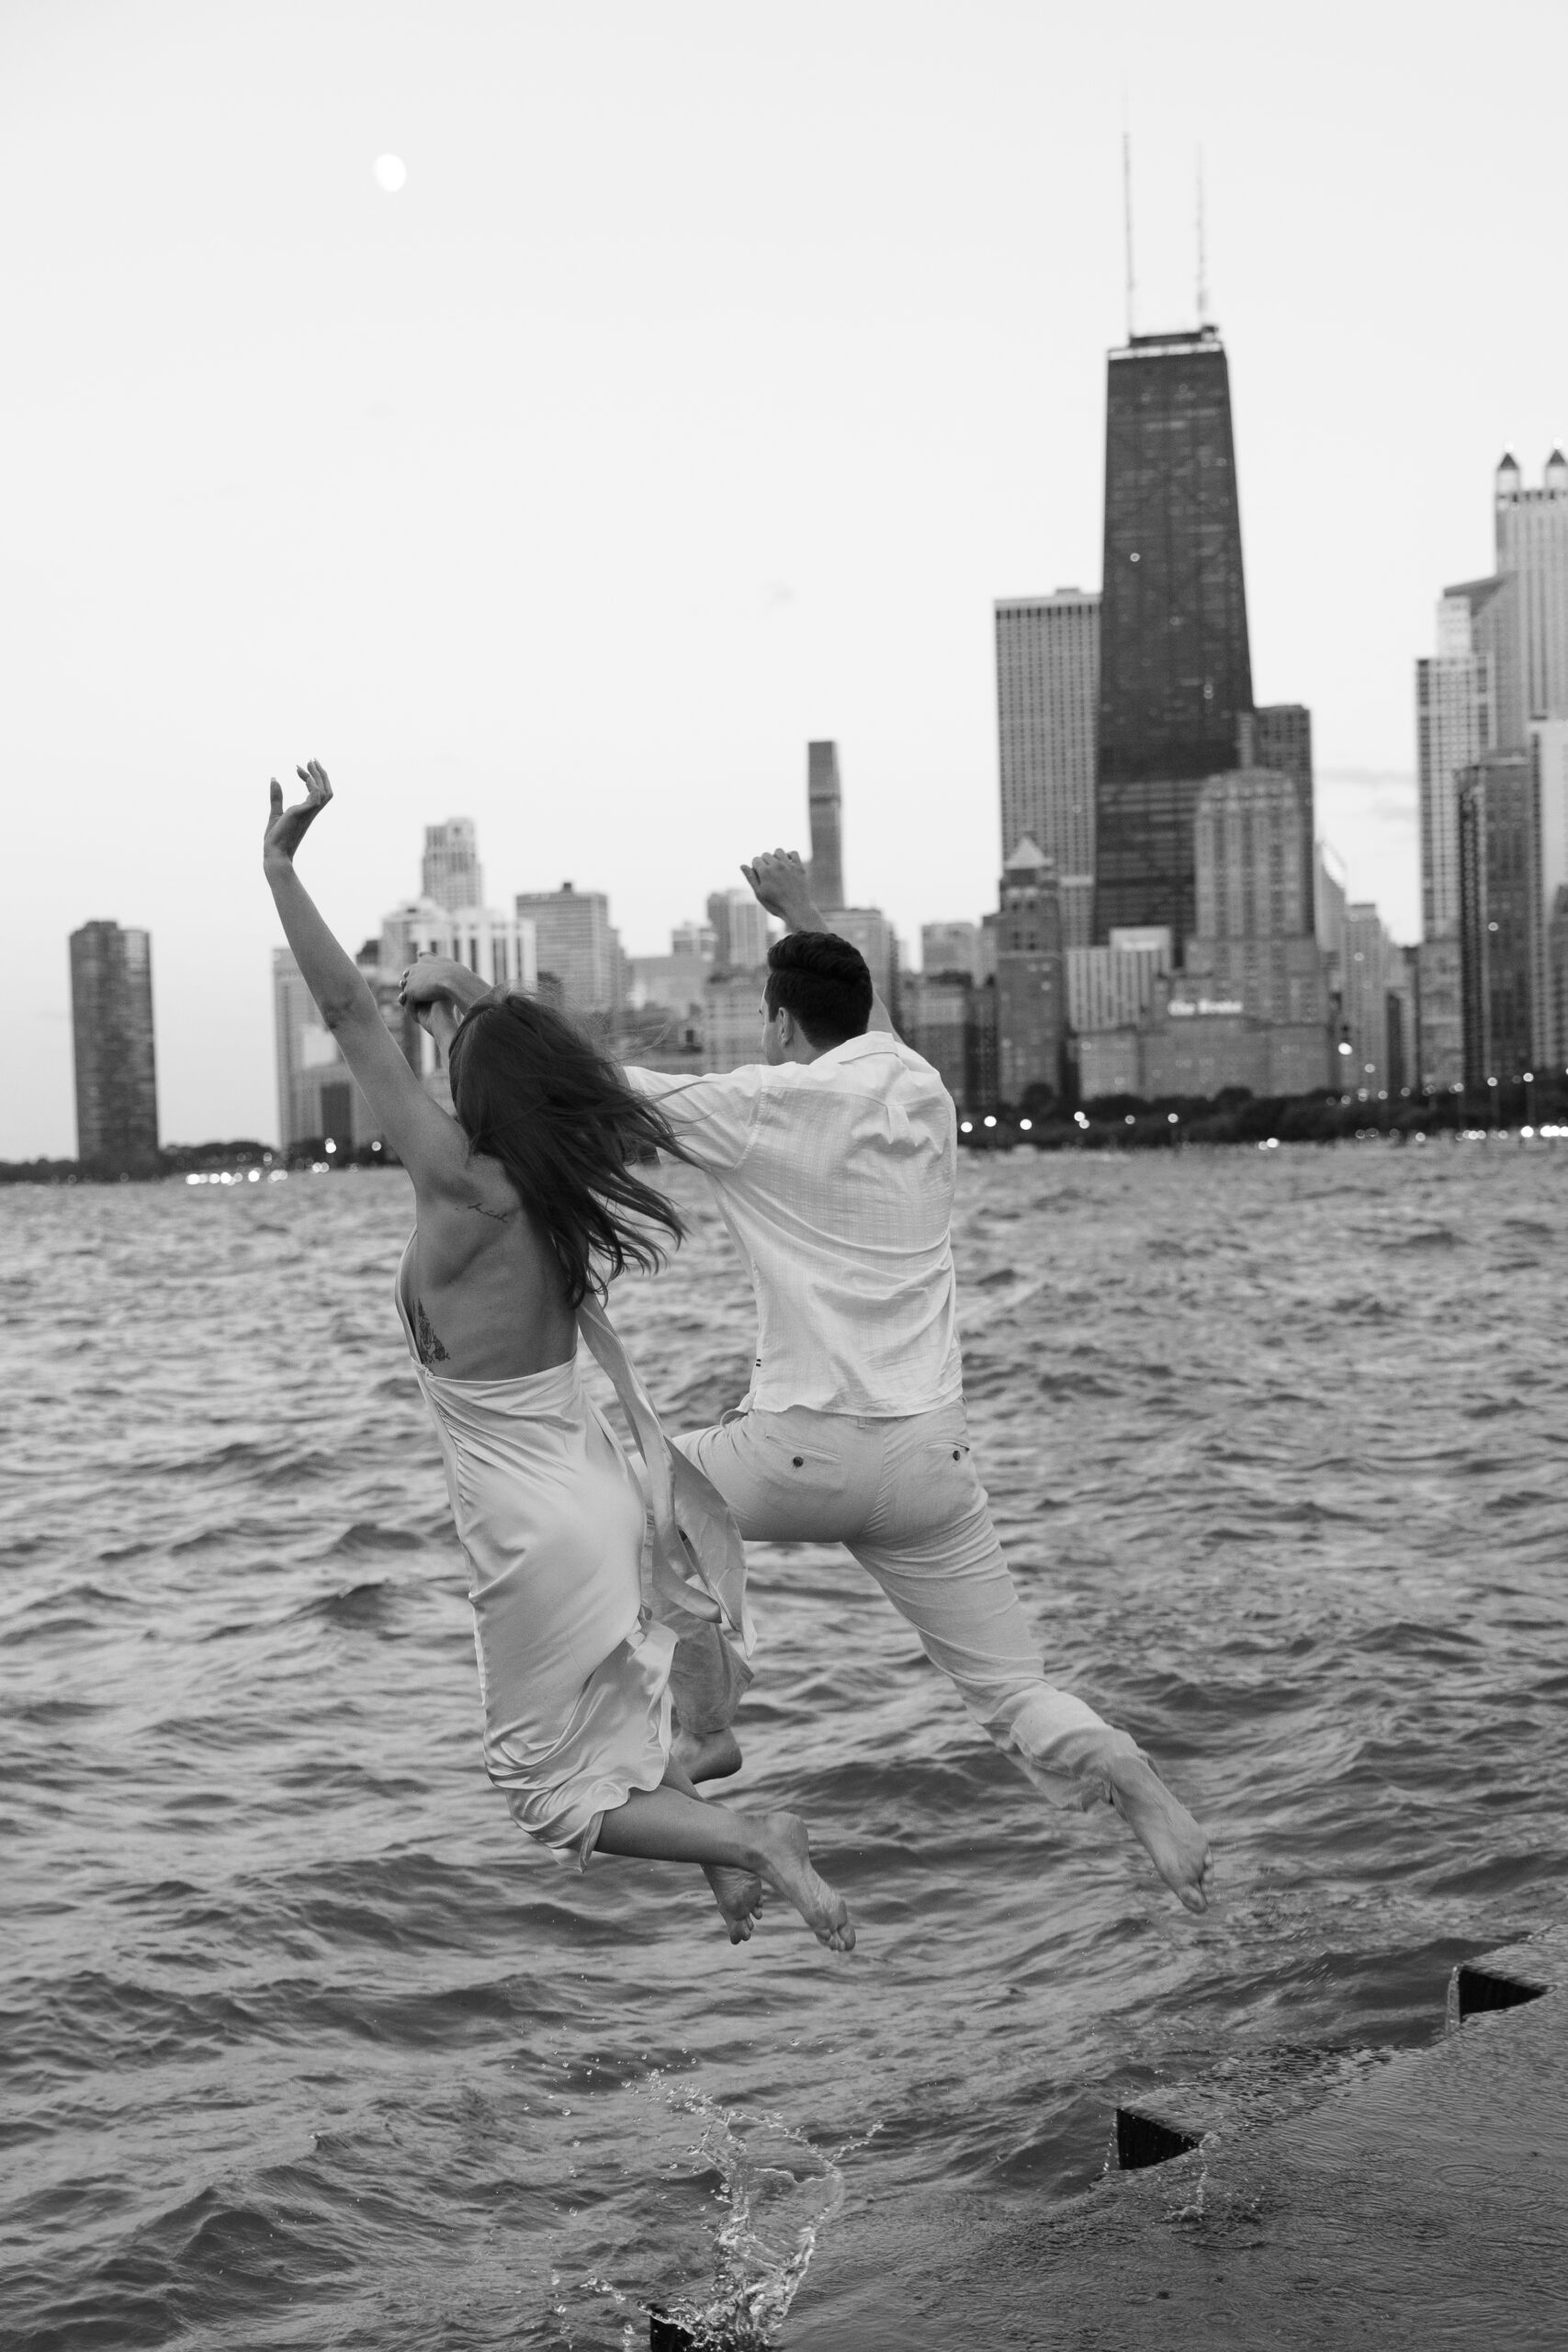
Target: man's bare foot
{"type": "Point", "coordinates": [1166, 1830]}
{"type": "Point", "coordinates": [738, 1894]}
{"type": "Point", "coordinates": [706, 1755]}
{"type": "Point", "coordinates": [783, 1858]}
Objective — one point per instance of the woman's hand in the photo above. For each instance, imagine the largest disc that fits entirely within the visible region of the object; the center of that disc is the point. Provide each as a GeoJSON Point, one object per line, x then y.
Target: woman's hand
{"type": "Point", "coordinates": [286, 828]}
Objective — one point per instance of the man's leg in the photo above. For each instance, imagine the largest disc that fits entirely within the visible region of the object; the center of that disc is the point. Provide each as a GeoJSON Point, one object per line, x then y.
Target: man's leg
{"type": "Point", "coordinates": [795, 1478]}
{"type": "Point", "coordinates": [933, 1548]}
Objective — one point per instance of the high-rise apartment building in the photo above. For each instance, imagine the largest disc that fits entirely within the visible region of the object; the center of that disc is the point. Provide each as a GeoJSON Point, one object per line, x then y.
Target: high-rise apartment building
{"type": "Point", "coordinates": [732, 1020]}
{"type": "Point", "coordinates": [318, 1098]}
{"type": "Point", "coordinates": [1031, 991]}
{"type": "Point", "coordinates": [111, 1026]}
{"type": "Point", "coordinates": [1457, 716]}
{"type": "Point", "coordinates": [1175, 663]}
{"type": "Point", "coordinates": [1112, 987]}
{"type": "Point", "coordinates": [825, 809]}
{"type": "Point", "coordinates": [1500, 915]}
{"type": "Point", "coordinates": [451, 874]}
{"type": "Point", "coordinates": [1278, 736]}
{"type": "Point", "coordinates": [739, 927]}
{"type": "Point", "coordinates": [868, 928]}
{"type": "Point", "coordinates": [1554, 985]}
{"type": "Point", "coordinates": [575, 944]}
{"type": "Point", "coordinates": [950, 947]}
{"type": "Point", "coordinates": [937, 1018]}
{"type": "Point", "coordinates": [1548, 744]}
{"type": "Point", "coordinates": [1047, 718]}
{"type": "Point", "coordinates": [693, 939]}
{"type": "Point", "coordinates": [1255, 944]}
{"type": "Point", "coordinates": [501, 948]}
{"type": "Point", "coordinates": [1253, 878]}
{"type": "Point", "coordinates": [1372, 972]}
{"type": "Point", "coordinates": [1531, 529]}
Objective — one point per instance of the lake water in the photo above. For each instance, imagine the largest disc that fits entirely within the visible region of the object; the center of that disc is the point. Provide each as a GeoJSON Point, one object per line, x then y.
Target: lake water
{"type": "Point", "coordinates": [304, 2045]}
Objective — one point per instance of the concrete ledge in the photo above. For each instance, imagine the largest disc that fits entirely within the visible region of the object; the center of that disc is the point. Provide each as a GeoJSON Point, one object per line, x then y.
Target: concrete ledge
{"type": "Point", "coordinates": [1426, 2207]}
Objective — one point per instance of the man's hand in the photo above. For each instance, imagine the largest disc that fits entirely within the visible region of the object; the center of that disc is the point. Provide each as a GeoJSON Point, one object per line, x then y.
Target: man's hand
{"type": "Point", "coordinates": [437, 980]}
{"type": "Point", "coordinates": [286, 828]}
{"type": "Point", "coordinates": [778, 878]}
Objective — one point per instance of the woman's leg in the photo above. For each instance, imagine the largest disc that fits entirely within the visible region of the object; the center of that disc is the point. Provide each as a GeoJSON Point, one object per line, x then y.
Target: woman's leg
{"type": "Point", "coordinates": [672, 1823]}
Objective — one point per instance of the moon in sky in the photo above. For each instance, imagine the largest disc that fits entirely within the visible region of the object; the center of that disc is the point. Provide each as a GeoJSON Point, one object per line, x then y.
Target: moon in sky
{"type": "Point", "coordinates": [391, 173]}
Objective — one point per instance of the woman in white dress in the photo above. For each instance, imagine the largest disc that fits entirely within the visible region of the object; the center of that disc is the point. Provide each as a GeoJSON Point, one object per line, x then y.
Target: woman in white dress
{"type": "Point", "coordinates": [527, 1202]}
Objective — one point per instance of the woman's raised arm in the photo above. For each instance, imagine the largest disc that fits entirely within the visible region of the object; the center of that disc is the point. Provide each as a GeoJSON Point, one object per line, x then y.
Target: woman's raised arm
{"type": "Point", "coordinates": [431, 1145]}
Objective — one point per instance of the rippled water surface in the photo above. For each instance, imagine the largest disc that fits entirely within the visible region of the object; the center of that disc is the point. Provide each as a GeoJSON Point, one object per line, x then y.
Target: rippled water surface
{"type": "Point", "coordinates": [304, 2046]}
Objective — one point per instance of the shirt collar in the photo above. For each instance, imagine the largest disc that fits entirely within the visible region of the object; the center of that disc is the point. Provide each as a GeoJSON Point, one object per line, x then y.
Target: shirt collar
{"type": "Point", "coordinates": [855, 1049]}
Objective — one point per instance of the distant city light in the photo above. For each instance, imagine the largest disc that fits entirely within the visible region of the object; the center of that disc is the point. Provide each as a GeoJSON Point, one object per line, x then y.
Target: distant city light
{"type": "Point", "coordinates": [1024, 1125]}
{"type": "Point", "coordinates": [965, 1127]}
{"type": "Point", "coordinates": [989, 1121]}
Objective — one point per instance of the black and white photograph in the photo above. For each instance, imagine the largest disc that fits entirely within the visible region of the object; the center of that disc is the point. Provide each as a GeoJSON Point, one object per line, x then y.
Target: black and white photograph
{"type": "Point", "coordinates": [784, 1176]}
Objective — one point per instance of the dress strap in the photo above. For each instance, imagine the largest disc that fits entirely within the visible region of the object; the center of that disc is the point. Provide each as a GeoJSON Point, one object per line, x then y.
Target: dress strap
{"type": "Point", "coordinates": [698, 1560]}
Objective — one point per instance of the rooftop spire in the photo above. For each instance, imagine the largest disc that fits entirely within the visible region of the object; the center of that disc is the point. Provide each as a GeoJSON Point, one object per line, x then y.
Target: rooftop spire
{"type": "Point", "coordinates": [1127, 210]}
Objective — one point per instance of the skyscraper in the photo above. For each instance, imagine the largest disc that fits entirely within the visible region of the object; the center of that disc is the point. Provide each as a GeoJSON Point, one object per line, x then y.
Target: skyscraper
{"type": "Point", "coordinates": [1456, 718]}
{"type": "Point", "coordinates": [739, 927]}
{"type": "Point", "coordinates": [1373, 963]}
{"type": "Point", "coordinates": [1281, 738]}
{"type": "Point", "coordinates": [868, 928]}
{"type": "Point", "coordinates": [824, 801]}
{"type": "Point", "coordinates": [1532, 552]}
{"type": "Point", "coordinates": [318, 1099]}
{"type": "Point", "coordinates": [575, 942]}
{"type": "Point", "coordinates": [1031, 982]}
{"type": "Point", "coordinates": [111, 1023]}
{"type": "Point", "coordinates": [1500, 914]}
{"type": "Point", "coordinates": [1175, 666]}
{"type": "Point", "coordinates": [950, 947]}
{"type": "Point", "coordinates": [1047, 705]}
{"type": "Point", "coordinates": [1255, 943]}
{"type": "Point", "coordinates": [452, 875]}
{"type": "Point", "coordinates": [1549, 743]}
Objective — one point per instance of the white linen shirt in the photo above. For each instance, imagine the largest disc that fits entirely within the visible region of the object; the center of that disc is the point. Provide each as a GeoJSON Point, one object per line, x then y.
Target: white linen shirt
{"type": "Point", "coordinates": [835, 1178]}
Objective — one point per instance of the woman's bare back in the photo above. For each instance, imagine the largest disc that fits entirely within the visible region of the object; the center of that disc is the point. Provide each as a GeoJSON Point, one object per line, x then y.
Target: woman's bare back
{"type": "Point", "coordinates": [487, 1295]}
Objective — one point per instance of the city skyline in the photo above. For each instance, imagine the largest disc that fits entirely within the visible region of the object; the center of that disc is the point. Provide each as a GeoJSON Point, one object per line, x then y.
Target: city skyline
{"type": "Point", "coordinates": [551, 362]}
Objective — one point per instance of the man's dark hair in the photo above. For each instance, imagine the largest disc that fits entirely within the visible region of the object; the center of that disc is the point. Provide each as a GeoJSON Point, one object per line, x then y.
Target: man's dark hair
{"type": "Point", "coordinates": [824, 982]}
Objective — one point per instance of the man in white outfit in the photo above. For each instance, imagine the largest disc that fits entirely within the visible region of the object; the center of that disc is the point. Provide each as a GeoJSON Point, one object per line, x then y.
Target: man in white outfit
{"type": "Point", "coordinates": [833, 1164]}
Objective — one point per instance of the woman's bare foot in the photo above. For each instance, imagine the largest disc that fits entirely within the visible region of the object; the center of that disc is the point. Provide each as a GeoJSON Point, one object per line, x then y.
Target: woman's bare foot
{"type": "Point", "coordinates": [706, 1755]}
{"type": "Point", "coordinates": [1166, 1830]}
{"type": "Point", "coordinates": [783, 1858]}
{"type": "Point", "coordinates": [738, 1894]}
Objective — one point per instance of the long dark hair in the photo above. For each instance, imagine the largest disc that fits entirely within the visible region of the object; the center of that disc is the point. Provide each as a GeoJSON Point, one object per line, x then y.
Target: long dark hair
{"type": "Point", "coordinates": [534, 1093]}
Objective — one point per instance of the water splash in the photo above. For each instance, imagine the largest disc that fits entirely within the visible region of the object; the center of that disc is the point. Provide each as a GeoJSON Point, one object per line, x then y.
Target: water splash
{"type": "Point", "coordinates": [780, 2193]}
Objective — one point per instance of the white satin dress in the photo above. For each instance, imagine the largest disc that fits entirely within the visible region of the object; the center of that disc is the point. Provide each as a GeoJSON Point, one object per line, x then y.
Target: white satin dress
{"type": "Point", "coordinates": [575, 1630]}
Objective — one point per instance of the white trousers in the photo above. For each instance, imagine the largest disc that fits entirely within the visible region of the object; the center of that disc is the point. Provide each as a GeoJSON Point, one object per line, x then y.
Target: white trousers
{"type": "Point", "coordinates": [902, 1495]}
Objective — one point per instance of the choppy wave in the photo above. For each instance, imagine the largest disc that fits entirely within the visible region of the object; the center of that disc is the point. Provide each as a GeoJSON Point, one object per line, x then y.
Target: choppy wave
{"type": "Point", "coordinates": [301, 2045]}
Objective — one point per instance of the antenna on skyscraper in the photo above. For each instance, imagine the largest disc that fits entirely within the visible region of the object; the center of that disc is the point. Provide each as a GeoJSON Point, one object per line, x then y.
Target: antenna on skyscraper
{"type": "Point", "coordinates": [1203, 258]}
{"type": "Point", "coordinates": [1127, 208]}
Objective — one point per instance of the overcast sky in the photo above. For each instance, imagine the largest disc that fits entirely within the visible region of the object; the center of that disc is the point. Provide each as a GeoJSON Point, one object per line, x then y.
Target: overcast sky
{"type": "Point", "coordinates": [714, 368]}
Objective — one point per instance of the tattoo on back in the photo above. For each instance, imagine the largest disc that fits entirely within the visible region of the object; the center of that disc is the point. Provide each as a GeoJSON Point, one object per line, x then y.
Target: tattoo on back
{"type": "Point", "coordinates": [430, 1348]}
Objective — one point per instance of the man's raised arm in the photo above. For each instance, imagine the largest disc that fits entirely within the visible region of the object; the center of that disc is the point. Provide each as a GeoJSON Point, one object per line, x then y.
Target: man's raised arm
{"type": "Point", "coordinates": [779, 880]}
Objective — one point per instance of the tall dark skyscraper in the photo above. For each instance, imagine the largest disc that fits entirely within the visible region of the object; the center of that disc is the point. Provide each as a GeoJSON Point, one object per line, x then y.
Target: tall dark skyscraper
{"type": "Point", "coordinates": [111, 1018]}
{"type": "Point", "coordinates": [1500, 914]}
{"type": "Point", "coordinates": [1175, 668]}
{"type": "Point", "coordinates": [823, 807]}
